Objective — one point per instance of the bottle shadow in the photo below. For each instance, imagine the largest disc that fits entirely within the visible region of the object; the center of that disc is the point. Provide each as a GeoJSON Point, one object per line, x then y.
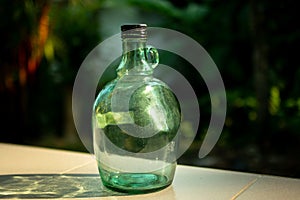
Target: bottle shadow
{"type": "Point", "coordinates": [28, 186]}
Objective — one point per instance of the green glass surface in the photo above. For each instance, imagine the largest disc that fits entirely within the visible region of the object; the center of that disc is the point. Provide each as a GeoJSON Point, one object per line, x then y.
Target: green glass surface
{"type": "Point", "coordinates": [126, 111]}
{"type": "Point", "coordinates": [137, 182]}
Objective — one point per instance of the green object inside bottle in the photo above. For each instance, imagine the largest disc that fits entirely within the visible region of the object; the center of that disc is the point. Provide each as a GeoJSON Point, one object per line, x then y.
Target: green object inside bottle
{"type": "Point", "coordinates": [156, 107]}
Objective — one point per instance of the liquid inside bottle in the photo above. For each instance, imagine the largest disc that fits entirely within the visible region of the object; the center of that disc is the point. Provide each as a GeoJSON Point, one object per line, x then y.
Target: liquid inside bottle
{"type": "Point", "coordinates": [135, 121]}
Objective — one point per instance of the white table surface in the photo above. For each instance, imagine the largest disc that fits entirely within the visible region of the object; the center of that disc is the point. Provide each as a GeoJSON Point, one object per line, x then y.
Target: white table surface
{"type": "Point", "coordinates": [34, 172]}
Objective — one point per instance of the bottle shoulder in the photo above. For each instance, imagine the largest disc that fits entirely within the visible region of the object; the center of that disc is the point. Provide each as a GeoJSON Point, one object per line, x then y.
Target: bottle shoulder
{"type": "Point", "coordinates": [105, 91]}
{"type": "Point", "coordinates": [131, 80]}
{"type": "Point", "coordinates": [134, 86]}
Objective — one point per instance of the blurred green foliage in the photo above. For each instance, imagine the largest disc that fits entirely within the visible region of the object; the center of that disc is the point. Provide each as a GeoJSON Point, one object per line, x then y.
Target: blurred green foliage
{"type": "Point", "coordinates": [254, 44]}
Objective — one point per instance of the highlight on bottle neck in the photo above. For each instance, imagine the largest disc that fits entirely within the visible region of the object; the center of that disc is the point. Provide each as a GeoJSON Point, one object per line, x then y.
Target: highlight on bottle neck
{"type": "Point", "coordinates": [134, 31]}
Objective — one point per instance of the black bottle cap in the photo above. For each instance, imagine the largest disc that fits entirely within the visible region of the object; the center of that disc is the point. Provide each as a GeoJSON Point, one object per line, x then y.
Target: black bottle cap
{"type": "Point", "coordinates": [127, 27]}
{"type": "Point", "coordinates": [134, 31]}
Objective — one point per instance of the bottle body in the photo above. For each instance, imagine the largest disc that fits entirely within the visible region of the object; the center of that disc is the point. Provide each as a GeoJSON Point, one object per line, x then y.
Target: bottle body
{"type": "Point", "coordinates": [135, 122]}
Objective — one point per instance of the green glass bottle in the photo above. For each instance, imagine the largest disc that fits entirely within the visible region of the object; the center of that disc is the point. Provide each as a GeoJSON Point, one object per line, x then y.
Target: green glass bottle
{"type": "Point", "coordinates": [135, 121]}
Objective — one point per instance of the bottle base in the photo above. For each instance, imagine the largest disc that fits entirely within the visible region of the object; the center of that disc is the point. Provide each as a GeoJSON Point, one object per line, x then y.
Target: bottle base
{"type": "Point", "coordinates": [134, 182]}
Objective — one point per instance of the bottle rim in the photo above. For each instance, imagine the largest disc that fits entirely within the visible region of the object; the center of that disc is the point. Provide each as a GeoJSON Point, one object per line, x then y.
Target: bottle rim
{"type": "Point", "coordinates": [134, 31]}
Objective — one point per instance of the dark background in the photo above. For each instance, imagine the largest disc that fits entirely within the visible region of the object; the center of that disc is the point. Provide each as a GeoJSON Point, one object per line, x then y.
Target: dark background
{"type": "Point", "coordinates": [254, 43]}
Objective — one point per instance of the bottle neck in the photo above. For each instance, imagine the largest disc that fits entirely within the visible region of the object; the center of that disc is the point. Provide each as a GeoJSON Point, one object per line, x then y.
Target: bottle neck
{"type": "Point", "coordinates": [134, 58]}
